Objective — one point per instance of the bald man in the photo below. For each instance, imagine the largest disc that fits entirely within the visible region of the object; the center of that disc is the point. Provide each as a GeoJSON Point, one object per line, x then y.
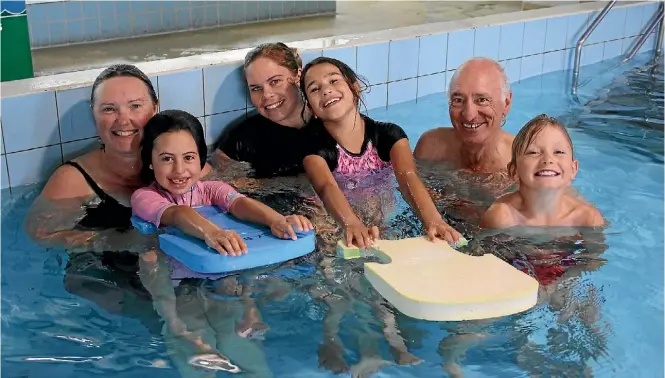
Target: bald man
{"type": "Point", "coordinates": [479, 100]}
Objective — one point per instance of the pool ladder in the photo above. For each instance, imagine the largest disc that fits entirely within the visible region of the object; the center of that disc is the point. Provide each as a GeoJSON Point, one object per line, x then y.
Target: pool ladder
{"type": "Point", "coordinates": [657, 20]}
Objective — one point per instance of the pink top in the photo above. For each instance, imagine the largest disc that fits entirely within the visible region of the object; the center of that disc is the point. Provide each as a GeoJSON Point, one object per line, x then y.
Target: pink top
{"type": "Point", "coordinates": [149, 203]}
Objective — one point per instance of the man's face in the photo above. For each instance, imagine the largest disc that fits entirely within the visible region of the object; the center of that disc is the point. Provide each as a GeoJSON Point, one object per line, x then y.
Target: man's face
{"type": "Point", "coordinates": [476, 104]}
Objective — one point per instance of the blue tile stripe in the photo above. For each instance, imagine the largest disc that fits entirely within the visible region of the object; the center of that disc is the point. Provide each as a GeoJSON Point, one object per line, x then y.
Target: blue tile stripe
{"type": "Point", "coordinates": [124, 19]}
{"type": "Point", "coordinates": [400, 70]}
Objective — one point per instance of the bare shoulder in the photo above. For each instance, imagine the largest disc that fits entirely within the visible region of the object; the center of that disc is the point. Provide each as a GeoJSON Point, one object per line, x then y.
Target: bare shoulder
{"type": "Point", "coordinates": [587, 215]}
{"type": "Point", "coordinates": [502, 213]}
{"type": "Point", "coordinates": [67, 182]}
{"type": "Point", "coordinates": [435, 144]}
{"type": "Point", "coordinates": [507, 139]}
{"type": "Point", "coordinates": [507, 143]}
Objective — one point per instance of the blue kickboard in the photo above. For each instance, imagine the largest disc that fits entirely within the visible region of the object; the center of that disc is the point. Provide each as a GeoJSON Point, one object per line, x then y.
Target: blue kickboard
{"type": "Point", "coordinates": [263, 248]}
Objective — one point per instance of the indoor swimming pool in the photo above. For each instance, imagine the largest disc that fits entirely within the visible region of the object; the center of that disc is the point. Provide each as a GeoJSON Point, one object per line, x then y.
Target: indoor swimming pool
{"type": "Point", "coordinates": [67, 317]}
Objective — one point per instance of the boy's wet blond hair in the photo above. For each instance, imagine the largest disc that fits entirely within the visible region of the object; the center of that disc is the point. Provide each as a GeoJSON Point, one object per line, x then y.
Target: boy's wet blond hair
{"type": "Point", "coordinates": [529, 131]}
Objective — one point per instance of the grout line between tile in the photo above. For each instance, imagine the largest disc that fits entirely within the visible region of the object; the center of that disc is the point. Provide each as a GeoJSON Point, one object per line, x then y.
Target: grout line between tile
{"type": "Point", "coordinates": [9, 179]}
{"type": "Point", "coordinates": [418, 68]}
{"type": "Point", "coordinates": [57, 118]}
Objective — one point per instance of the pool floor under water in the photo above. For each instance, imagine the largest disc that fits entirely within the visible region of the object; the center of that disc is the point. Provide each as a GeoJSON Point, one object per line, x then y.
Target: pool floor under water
{"type": "Point", "coordinates": [604, 319]}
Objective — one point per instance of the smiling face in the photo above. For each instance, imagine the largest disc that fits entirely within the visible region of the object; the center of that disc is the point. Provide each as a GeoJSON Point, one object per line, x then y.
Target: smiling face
{"type": "Point", "coordinates": [273, 91]}
{"type": "Point", "coordinates": [477, 102]}
{"type": "Point", "coordinates": [122, 108]}
{"type": "Point", "coordinates": [547, 162]}
{"type": "Point", "coordinates": [328, 92]}
{"type": "Point", "coordinates": [176, 162]}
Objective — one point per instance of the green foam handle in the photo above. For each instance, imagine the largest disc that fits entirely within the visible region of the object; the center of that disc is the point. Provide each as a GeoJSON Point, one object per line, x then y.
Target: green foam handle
{"type": "Point", "coordinates": [460, 243]}
{"type": "Point", "coordinates": [347, 252]}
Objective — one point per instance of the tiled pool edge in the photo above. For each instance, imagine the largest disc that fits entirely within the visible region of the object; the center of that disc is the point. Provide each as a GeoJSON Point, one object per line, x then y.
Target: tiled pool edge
{"type": "Point", "coordinates": [401, 68]}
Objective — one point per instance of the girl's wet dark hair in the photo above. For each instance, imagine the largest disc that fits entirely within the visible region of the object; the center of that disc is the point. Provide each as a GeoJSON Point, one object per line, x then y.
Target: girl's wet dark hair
{"type": "Point", "coordinates": [169, 121]}
{"type": "Point", "coordinates": [348, 74]}
{"type": "Point", "coordinates": [123, 70]}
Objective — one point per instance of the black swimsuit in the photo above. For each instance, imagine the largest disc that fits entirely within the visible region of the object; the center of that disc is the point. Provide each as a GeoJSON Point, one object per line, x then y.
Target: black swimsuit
{"type": "Point", "coordinates": [270, 148]}
{"type": "Point", "coordinates": [109, 213]}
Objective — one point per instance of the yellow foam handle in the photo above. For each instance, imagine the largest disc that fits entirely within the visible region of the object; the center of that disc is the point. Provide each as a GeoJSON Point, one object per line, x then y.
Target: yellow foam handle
{"type": "Point", "coordinates": [353, 252]}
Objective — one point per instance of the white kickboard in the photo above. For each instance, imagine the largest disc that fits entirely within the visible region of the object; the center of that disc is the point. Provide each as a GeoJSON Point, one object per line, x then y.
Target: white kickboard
{"type": "Point", "coordinates": [432, 281]}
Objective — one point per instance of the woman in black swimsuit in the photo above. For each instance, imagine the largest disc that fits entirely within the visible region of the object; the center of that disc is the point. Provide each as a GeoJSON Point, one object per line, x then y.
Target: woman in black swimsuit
{"type": "Point", "coordinates": [85, 205]}
{"type": "Point", "coordinates": [101, 181]}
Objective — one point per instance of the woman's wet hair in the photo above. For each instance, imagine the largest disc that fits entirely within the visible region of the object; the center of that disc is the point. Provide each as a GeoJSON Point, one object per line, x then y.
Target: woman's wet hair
{"type": "Point", "coordinates": [123, 70]}
{"type": "Point", "coordinates": [350, 77]}
{"type": "Point", "coordinates": [279, 53]}
{"type": "Point", "coordinates": [529, 131]}
{"type": "Point", "coordinates": [169, 121]}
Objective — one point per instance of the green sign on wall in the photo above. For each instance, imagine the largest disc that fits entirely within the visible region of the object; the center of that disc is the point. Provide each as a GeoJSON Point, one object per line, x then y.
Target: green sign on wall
{"type": "Point", "coordinates": [15, 54]}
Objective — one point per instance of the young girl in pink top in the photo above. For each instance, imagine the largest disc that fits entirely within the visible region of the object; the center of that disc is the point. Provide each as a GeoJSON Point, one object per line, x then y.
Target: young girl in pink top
{"type": "Point", "coordinates": [173, 155]}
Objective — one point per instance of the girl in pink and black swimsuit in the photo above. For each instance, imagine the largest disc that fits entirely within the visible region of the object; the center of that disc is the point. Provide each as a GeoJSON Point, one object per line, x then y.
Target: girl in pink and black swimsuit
{"type": "Point", "coordinates": [348, 150]}
{"type": "Point", "coordinates": [366, 178]}
{"type": "Point", "coordinates": [343, 142]}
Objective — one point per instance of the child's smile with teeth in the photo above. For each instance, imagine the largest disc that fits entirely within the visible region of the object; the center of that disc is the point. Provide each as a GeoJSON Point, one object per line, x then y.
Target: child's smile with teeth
{"type": "Point", "coordinates": [329, 94]}
{"type": "Point", "coordinates": [179, 181]}
{"type": "Point", "coordinates": [330, 102]}
{"type": "Point", "coordinates": [547, 161]}
{"type": "Point", "coordinates": [176, 162]}
{"type": "Point", "coordinates": [547, 173]}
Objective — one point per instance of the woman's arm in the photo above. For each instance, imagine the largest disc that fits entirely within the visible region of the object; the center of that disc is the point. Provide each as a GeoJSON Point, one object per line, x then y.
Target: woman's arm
{"type": "Point", "coordinates": [53, 216]}
{"type": "Point", "coordinates": [416, 194]}
{"type": "Point", "coordinates": [66, 182]}
{"type": "Point", "coordinates": [78, 241]}
{"type": "Point", "coordinates": [54, 213]}
{"type": "Point", "coordinates": [326, 187]}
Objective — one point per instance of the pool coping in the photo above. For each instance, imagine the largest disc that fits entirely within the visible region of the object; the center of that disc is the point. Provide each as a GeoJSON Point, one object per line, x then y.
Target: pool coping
{"type": "Point", "coordinates": [84, 78]}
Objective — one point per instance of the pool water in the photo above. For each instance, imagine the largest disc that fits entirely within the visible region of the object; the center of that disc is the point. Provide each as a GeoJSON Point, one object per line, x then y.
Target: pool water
{"type": "Point", "coordinates": [67, 317]}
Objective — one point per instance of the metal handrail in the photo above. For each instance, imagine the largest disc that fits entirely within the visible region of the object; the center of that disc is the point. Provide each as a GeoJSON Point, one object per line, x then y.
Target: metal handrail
{"type": "Point", "coordinates": [658, 19]}
{"type": "Point", "coordinates": [580, 42]}
{"type": "Point", "coordinates": [659, 41]}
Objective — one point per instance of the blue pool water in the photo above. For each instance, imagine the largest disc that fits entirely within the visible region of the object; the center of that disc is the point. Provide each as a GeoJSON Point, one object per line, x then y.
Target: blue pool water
{"type": "Point", "coordinates": [61, 319]}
